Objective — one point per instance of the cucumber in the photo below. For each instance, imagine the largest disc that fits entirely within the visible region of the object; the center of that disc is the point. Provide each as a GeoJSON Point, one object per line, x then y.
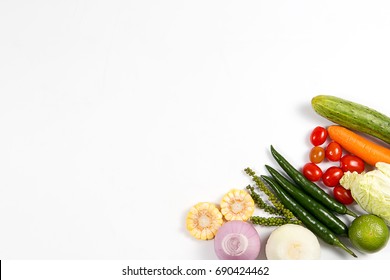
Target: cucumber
{"type": "Point", "coordinates": [353, 116]}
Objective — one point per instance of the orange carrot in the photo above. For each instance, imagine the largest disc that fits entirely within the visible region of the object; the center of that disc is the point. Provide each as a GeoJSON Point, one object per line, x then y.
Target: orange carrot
{"type": "Point", "coordinates": [360, 146]}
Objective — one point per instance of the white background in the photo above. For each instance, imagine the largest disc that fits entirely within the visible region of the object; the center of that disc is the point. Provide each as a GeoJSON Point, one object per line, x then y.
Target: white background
{"type": "Point", "coordinates": [117, 116]}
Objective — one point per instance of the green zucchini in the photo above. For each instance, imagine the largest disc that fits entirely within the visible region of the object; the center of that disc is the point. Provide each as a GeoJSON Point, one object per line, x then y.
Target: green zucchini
{"type": "Point", "coordinates": [353, 116]}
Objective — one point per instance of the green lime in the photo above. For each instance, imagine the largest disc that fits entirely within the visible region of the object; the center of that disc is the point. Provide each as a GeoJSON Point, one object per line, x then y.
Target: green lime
{"type": "Point", "coordinates": [368, 233]}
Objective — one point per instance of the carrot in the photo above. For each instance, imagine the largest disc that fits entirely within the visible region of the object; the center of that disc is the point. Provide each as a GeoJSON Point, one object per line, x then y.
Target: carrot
{"type": "Point", "coordinates": [360, 146]}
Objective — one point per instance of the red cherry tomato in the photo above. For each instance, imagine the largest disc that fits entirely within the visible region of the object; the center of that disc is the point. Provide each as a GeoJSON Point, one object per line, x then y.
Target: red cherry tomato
{"type": "Point", "coordinates": [332, 176]}
{"type": "Point", "coordinates": [312, 172]}
{"type": "Point", "coordinates": [342, 195]}
{"type": "Point", "coordinates": [318, 136]}
{"type": "Point", "coordinates": [317, 154]}
{"type": "Point", "coordinates": [352, 163]}
{"type": "Point", "coordinates": [333, 151]}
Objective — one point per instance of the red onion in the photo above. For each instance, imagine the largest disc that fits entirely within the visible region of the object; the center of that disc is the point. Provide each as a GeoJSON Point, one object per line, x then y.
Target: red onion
{"type": "Point", "coordinates": [237, 240]}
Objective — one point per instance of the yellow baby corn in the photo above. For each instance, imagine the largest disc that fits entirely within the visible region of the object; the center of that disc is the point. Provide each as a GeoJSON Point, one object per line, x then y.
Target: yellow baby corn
{"type": "Point", "coordinates": [237, 205]}
{"type": "Point", "coordinates": [203, 220]}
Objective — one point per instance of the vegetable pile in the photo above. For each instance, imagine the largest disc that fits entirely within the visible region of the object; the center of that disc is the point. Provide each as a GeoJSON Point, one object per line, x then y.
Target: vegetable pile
{"type": "Point", "coordinates": [299, 203]}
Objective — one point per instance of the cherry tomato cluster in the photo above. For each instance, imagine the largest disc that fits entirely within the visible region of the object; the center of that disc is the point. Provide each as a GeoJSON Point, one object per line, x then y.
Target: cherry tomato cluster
{"type": "Point", "coordinates": [332, 152]}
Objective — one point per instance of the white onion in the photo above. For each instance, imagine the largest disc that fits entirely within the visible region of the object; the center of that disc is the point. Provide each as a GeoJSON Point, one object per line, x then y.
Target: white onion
{"type": "Point", "coordinates": [237, 240]}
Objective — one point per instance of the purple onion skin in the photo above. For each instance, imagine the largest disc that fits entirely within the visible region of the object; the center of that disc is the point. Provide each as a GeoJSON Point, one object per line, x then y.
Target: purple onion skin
{"type": "Point", "coordinates": [237, 240]}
